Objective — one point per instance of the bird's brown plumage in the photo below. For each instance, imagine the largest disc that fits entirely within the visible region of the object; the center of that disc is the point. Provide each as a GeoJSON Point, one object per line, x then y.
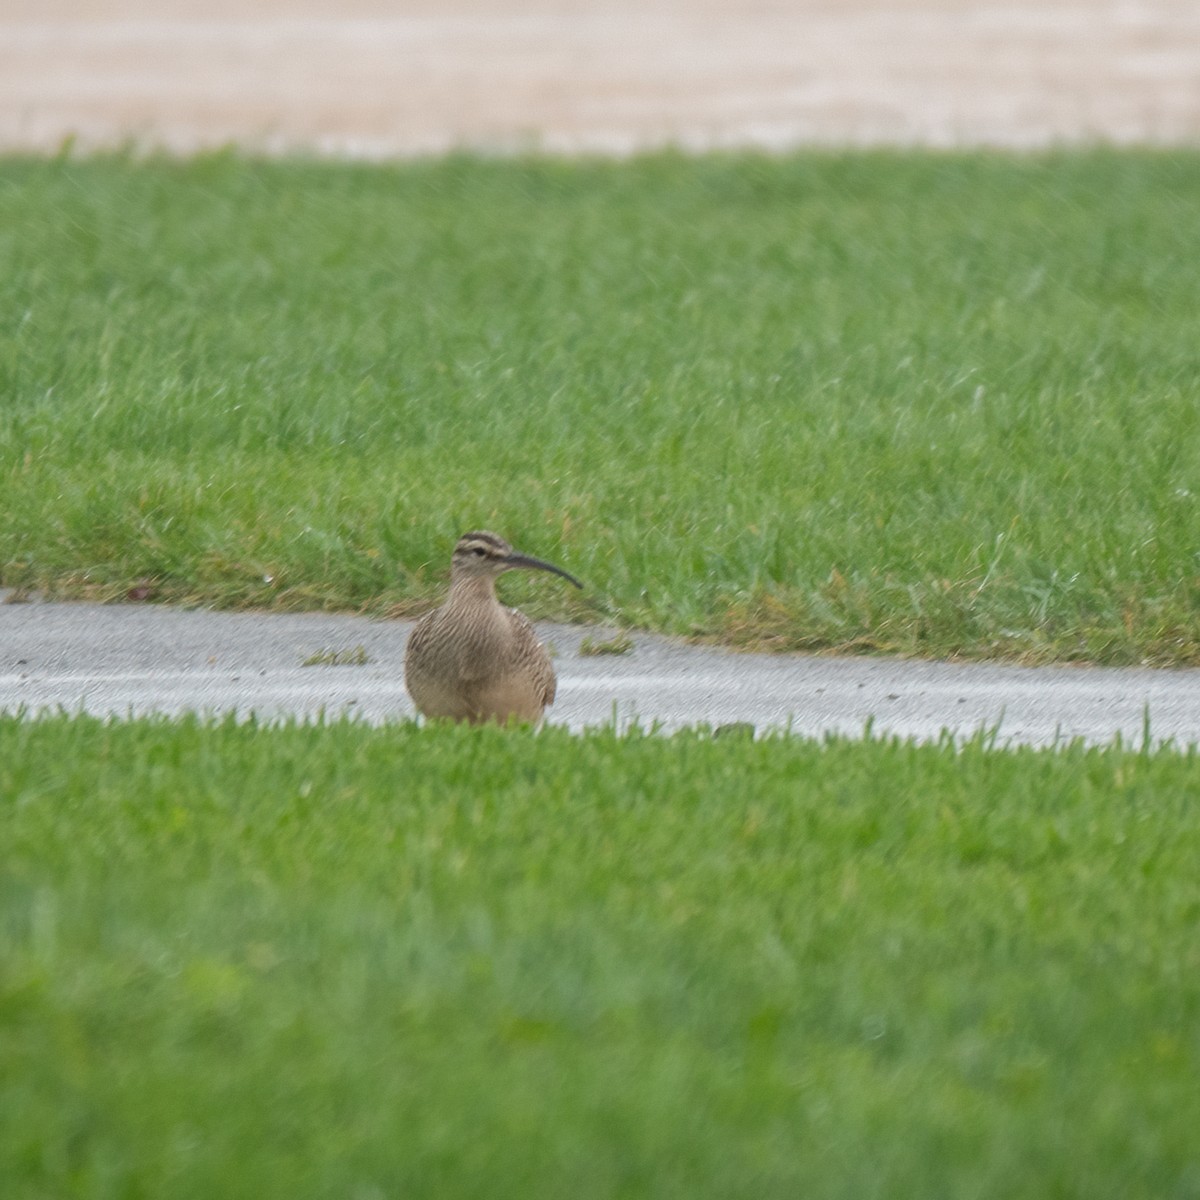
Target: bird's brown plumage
{"type": "Point", "coordinates": [473, 659]}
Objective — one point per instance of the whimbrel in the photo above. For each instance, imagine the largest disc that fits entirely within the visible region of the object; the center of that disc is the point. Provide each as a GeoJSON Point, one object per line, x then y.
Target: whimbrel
{"type": "Point", "coordinates": [473, 659]}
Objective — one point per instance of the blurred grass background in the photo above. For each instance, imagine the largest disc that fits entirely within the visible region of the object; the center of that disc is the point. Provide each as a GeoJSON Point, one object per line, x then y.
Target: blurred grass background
{"type": "Point", "coordinates": [339, 960]}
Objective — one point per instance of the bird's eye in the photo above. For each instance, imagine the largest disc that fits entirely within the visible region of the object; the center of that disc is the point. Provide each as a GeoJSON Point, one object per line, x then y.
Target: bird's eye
{"type": "Point", "coordinates": [478, 551]}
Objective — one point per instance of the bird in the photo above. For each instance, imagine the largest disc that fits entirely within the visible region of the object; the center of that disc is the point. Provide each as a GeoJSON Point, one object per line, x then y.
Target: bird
{"type": "Point", "coordinates": [473, 659]}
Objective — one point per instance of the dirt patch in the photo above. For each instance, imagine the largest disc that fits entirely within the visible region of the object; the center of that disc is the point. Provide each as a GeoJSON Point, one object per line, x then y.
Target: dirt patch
{"type": "Point", "coordinates": [376, 78]}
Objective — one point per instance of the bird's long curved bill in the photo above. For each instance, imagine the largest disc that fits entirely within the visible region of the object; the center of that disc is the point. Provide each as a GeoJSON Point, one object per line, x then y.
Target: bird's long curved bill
{"type": "Point", "coordinates": [538, 564]}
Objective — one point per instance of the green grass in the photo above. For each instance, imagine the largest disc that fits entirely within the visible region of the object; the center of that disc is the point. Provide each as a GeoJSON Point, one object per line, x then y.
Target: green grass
{"type": "Point", "coordinates": [343, 961]}
{"type": "Point", "coordinates": [912, 402]}
{"type": "Point", "coordinates": [354, 656]}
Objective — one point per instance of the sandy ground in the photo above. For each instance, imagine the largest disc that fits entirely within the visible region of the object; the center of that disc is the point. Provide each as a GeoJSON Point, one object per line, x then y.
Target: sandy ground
{"type": "Point", "coordinates": [119, 660]}
{"type": "Point", "coordinates": [375, 78]}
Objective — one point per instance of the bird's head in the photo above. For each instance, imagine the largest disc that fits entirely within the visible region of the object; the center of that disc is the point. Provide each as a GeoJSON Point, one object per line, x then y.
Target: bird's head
{"type": "Point", "coordinates": [484, 555]}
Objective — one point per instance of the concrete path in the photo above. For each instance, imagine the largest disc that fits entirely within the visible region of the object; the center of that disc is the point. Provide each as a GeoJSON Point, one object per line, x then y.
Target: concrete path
{"type": "Point", "coordinates": [132, 659]}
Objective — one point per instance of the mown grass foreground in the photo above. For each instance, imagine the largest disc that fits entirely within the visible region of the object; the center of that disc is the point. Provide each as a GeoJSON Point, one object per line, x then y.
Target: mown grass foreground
{"type": "Point", "coordinates": [925, 403]}
{"type": "Point", "coordinates": [350, 961]}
